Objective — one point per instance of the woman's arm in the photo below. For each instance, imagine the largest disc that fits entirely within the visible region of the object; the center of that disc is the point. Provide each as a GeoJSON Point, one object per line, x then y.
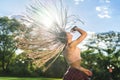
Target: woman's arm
{"type": "Point", "coordinates": [80, 38]}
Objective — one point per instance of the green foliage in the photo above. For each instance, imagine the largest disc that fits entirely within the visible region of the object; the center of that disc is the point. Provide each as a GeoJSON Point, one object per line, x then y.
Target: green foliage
{"type": "Point", "coordinates": [22, 66]}
{"type": "Point", "coordinates": [57, 69]}
{"type": "Point", "coordinates": [8, 27]}
{"type": "Point", "coordinates": [103, 50]}
{"type": "Point", "coordinates": [93, 62]}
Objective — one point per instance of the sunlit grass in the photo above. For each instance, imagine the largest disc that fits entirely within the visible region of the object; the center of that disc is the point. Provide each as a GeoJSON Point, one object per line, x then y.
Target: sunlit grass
{"type": "Point", "coordinates": [18, 78]}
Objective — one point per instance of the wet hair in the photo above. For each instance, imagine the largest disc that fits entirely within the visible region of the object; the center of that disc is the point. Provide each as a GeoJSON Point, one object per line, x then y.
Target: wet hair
{"type": "Point", "coordinates": [62, 37]}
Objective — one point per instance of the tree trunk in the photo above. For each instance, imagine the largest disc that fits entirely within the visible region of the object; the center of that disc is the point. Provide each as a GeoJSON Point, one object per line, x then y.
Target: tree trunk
{"type": "Point", "coordinates": [3, 65]}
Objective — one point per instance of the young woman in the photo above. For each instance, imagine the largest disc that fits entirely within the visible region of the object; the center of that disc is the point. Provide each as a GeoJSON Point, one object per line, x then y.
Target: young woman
{"type": "Point", "coordinates": [73, 58]}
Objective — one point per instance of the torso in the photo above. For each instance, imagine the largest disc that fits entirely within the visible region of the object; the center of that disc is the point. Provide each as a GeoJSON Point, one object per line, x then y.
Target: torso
{"type": "Point", "coordinates": [72, 55]}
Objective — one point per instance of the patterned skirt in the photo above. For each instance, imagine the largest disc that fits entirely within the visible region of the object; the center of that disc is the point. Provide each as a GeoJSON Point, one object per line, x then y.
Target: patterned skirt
{"type": "Point", "coordinates": [75, 74]}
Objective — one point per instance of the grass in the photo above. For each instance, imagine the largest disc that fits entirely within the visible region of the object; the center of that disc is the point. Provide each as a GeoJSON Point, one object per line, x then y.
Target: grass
{"type": "Point", "coordinates": [19, 78]}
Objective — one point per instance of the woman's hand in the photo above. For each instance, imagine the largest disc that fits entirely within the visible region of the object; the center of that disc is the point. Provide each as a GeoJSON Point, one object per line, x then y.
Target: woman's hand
{"type": "Point", "coordinates": [74, 29]}
{"type": "Point", "coordinates": [87, 72]}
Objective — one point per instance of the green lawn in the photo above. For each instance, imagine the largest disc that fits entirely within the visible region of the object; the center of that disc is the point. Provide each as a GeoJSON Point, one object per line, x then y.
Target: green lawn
{"type": "Point", "coordinates": [17, 78]}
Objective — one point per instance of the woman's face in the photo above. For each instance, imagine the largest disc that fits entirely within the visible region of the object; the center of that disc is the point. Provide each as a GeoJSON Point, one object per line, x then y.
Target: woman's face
{"type": "Point", "coordinates": [69, 35]}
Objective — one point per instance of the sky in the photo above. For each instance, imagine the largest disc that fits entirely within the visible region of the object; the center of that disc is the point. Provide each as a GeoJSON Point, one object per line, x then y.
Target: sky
{"type": "Point", "coordinates": [98, 15]}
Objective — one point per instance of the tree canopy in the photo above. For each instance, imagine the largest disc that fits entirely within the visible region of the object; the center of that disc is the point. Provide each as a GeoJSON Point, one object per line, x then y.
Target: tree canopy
{"type": "Point", "coordinates": [8, 30]}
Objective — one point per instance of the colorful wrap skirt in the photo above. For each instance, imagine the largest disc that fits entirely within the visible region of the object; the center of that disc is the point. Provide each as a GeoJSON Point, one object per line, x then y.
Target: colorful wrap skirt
{"type": "Point", "coordinates": [75, 74]}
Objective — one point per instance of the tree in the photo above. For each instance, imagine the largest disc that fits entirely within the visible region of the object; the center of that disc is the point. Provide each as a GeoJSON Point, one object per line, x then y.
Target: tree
{"type": "Point", "coordinates": [8, 29]}
{"type": "Point", "coordinates": [106, 48]}
{"type": "Point", "coordinates": [57, 69]}
{"type": "Point", "coordinates": [22, 66]}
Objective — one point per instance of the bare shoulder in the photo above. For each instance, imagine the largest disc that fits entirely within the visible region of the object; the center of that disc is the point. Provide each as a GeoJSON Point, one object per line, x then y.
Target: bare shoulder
{"type": "Point", "coordinates": [69, 48]}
